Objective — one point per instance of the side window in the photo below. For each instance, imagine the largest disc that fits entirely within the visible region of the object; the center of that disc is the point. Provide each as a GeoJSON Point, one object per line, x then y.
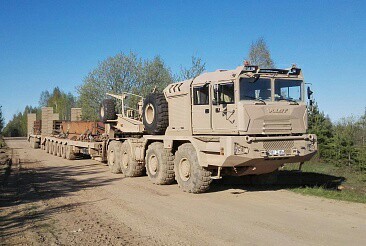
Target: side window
{"type": "Point", "coordinates": [224, 93]}
{"type": "Point", "coordinates": [201, 95]}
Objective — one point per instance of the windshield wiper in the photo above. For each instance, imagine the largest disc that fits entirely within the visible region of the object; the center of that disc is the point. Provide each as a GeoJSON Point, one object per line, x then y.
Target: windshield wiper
{"type": "Point", "coordinates": [254, 98]}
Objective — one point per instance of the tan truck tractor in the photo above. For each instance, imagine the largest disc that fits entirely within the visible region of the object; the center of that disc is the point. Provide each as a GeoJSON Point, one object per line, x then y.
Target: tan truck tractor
{"type": "Point", "coordinates": [246, 121]}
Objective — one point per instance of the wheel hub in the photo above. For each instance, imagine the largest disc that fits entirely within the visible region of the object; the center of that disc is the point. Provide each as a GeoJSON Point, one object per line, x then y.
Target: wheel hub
{"type": "Point", "coordinates": [125, 160]}
{"type": "Point", "coordinates": [111, 159]}
{"type": "Point", "coordinates": [184, 169]}
{"type": "Point", "coordinates": [149, 113]}
{"type": "Point", "coordinates": [153, 164]}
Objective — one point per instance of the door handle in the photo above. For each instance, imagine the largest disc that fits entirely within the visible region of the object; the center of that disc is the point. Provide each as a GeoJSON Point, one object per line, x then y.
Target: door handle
{"type": "Point", "coordinates": [217, 110]}
{"type": "Point", "coordinates": [207, 111]}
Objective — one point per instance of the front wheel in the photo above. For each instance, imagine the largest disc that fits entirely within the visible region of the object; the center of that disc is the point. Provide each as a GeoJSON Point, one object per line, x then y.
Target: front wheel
{"type": "Point", "coordinates": [191, 177]}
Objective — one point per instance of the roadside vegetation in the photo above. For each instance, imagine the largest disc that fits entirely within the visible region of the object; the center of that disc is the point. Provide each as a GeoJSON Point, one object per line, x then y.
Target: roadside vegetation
{"type": "Point", "coordinates": [340, 183]}
{"type": "Point", "coordinates": [341, 155]}
{"type": "Point", "coordinates": [2, 143]}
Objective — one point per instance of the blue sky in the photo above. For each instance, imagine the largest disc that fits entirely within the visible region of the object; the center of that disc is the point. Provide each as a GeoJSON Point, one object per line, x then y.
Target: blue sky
{"type": "Point", "coordinates": [44, 44]}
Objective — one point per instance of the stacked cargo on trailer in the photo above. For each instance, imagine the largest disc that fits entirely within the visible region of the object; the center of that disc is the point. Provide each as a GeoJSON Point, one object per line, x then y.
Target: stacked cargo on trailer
{"type": "Point", "coordinates": [66, 139]}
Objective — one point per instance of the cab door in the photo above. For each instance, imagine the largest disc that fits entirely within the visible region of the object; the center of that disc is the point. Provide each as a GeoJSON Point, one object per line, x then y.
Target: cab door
{"type": "Point", "coordinates": [224, 111]}
{"type": "Point", "coordinates": [201, 109]}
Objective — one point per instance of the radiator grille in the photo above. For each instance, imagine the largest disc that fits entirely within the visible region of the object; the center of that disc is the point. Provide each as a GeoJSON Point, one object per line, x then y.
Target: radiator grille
{"type": "Point", "coordinates": [272, 127]}
{"type": "Point", "coordinates": [278, 145]}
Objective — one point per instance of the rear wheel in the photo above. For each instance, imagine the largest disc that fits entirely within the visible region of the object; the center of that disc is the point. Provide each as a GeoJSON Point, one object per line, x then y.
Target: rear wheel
{"type": "Point", "coordinates": [129, 166]}
{"type": "Point", "coordinates": [114, 156]}
{"type": "Point", "coordinates": [191, 177]}
{"type": "Point", "coordinates": [159, 164]}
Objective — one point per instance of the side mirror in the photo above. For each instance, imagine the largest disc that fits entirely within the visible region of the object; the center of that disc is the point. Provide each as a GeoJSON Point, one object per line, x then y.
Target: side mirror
{"type": "Point", "coordinates": [309, 92]}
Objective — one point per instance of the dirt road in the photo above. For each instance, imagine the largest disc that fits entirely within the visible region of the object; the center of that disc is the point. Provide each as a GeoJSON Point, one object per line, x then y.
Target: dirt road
{"type": "Point", "coordinates": [61, 202]}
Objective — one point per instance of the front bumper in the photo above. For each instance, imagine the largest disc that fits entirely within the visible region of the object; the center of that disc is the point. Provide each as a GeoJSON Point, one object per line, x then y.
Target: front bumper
{"type": "Point", "coordinates": [256, 151]}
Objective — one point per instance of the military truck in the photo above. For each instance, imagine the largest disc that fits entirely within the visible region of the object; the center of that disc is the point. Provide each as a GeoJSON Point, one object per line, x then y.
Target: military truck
{"type": "Point", "coordinates": [246, 121]}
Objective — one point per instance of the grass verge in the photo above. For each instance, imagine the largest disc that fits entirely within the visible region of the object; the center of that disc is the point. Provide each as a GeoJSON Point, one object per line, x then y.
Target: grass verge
{"type": "Point", "coordinates": [352, 188]}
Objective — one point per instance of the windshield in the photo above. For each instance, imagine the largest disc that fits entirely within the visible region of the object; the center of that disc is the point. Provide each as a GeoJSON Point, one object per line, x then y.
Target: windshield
{"type": "Point", "coordinates": [258, 90]}
{"type": "Point", "coordinates": [289, 90]}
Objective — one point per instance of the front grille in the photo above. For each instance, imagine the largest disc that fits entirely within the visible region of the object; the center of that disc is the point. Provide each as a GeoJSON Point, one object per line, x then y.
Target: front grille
{"type": "Point", "coordinates": [276, 126]}
{"type": "Point", "coordinates": [286, 145]}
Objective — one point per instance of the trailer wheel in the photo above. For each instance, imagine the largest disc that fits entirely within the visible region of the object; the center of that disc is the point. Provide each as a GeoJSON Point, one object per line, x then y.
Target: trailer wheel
{"type": "Point", "coordinates": [70, 155]}
{"type": "Point", "coordinates": [47, 146]}
{"type": "Point", "coordinates": [59, 153]}
{"type": "Point", "coordinates": [114, 156]}
{"type": "Point", "coordinates": [159, 164]}
{"type": "Point", "coordinates": [54, 151]}
{"type": "Point", "coordinates": [63, 151]}
{"type": "Point", "coordinates": [191, 177]}
{"type": "Point", "coordinates": [31, 142]}
{"type": "Point", "coordinates": [34, 143]}
{"type": "Point", "coordinates": [155, 113]}
{"type": "Point", "coordinates": [50, 146]}
{"type": "Point", "coordinates": [129, 166]}
{"type": "Point", "coordinates": [107, 110]}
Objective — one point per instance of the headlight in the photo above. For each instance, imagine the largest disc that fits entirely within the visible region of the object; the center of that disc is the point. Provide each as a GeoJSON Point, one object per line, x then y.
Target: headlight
{"type": "Point", "coordinates": [239, 149]}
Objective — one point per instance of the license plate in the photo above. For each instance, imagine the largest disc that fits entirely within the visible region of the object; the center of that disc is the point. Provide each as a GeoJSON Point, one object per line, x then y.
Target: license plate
{"type": "Point", "coordinates": [277, 152]}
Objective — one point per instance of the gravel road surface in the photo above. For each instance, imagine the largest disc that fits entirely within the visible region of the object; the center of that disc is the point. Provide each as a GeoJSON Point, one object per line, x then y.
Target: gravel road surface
{"type": "Point", "coordinates": [52, 201]}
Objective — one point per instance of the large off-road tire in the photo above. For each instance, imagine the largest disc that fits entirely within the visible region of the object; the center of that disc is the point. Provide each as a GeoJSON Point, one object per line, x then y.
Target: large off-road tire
{"type": "Point", "coordinates": [159, 164]}
{"type": "Point", "coordinates": [155, 113]}
{"type": "Point", "coordinates": [114, 156]}
{"type": "Point", "coordinates": [107, 110]}
{"type": "Point", "coordinates": [47, 146]}
{"type": "Point", "coordinates": [70, 155]}
{"type": "Point", "coordinates": [129, 166]}
{"type": "Point", "coordinates": [191, 177]}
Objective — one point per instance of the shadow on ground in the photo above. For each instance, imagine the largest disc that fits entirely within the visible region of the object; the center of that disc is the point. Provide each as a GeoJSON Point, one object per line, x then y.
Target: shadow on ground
{"type": "Point", "coordinates": [31, 186]}
{"type": "Point", "coordinates": [281, 180]}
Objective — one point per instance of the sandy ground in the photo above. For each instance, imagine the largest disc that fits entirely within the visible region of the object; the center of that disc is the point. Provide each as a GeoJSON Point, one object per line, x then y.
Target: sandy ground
{"type": "Point", "coordinates": [52, 201]}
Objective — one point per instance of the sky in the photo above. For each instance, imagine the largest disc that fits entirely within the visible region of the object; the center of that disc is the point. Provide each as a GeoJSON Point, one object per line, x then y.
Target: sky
{"type": "Point", "coordinates": [44, 44]}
